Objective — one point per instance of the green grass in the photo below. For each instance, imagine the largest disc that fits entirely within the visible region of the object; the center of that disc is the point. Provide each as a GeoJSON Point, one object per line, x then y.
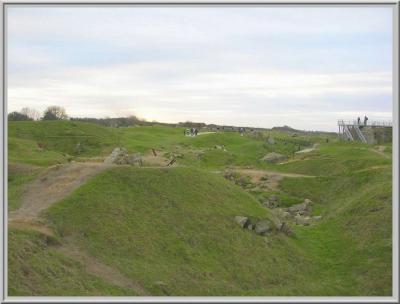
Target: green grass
{"type": "Point", "coordinates": [336, 158]}
{"type": "Point", "coordinates": [176, 225]}
{"type": "Point", "coordinates": [26, 151]}
{"type": "Point", "coordinates": [50, 142]}
{"type": "Point", "coordinates": [143, 139]}
{"type": "Point", "coordinates": [353, 242]}
{"type": "Point", "coordinates": [18, 177]}
{"type": "Point", "coordinates": [46, 143]}
{"type": "Point", "coordinates": [37, 269]}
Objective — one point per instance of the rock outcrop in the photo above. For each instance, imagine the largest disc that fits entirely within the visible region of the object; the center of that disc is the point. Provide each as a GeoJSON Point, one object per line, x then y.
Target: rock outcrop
{"type": "Point", "coordinates": [120, 156]}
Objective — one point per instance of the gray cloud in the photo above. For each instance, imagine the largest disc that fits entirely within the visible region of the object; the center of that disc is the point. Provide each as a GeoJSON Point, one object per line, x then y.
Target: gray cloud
{"type": "Point", "coordinates": [304, 67]}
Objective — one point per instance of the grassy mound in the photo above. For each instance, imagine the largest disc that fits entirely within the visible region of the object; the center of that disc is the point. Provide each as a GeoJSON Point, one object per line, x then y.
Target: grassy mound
{"type": "Point", "coordinates": [353, 244]}
{"type": "Point", "coordinates": [176, 226]}
{"type": "Point", "coordinates": [172, 230]}
{"type": "Point", "coordinates": [36, 268]}
{"type": "Point", "coordinates": [50, 142]}
{"type": "Point", "coordinates": [336, 158]}
{"type": "Point", "coordinates": [19, 175]}
{"type": "Point", "coordinates": [46, 143]}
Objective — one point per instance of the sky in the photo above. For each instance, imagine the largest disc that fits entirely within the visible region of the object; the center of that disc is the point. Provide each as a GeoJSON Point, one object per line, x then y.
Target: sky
{"type": "Point", "coordinates": [262, 66]}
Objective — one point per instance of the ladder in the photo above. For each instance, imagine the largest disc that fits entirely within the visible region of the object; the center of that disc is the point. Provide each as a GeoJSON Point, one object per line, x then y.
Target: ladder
{"type": "Point", "coordinates": [360, 134]}
{"type": "Point", "coordinates": [347, 132]}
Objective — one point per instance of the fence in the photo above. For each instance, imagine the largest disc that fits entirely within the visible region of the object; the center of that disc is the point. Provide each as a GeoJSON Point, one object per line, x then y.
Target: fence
{"type": "Point", "coordinates": [373, 123]}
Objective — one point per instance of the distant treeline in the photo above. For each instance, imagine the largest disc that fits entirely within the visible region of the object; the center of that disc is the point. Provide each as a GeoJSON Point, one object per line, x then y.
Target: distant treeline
{"type": "Point", "coordinates": [114, 122]}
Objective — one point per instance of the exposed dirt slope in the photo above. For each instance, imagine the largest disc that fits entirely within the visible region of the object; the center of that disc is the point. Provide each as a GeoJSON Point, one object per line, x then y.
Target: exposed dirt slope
{"type": "Point", "coordinates": [53, 185]}
{"type": "Point", "coordinates": [50, 187]}
{"type": "Point", "coordinates": [99, 269]}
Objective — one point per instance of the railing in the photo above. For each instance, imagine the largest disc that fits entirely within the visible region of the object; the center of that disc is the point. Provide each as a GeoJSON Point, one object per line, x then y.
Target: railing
{"type": "Point", "coordinates": [374, 123]}
{"type": "Point", "coordinates": [360, 134]}
{"type": "Point", "coordinates": [347, 132]}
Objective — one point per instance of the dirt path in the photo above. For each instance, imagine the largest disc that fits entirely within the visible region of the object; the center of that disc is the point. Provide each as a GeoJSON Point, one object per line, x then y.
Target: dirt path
{"type": "Point", "coordinates": [89, 263]}
{"type": "Point", "coordinates": [50, 187]}
{"type": "Point", "coordinates": [260, 173]}
{"type": "Point", "coordinates": [373, 168]}
{"type": "Point", "coordinates": [270, 179]}
{"type": "Point", "coordinates": [204, 133]}
{"type": "Point", "coordinates": [99, 269]}
{"type": "Point", "coordinates": [31, 225]}
{"type": "Point", "coordinates": [314, 147]}
{"type": "Point", "coordinates": [380, 152]}
{"type": "Point", "coordinates": [53, 185]}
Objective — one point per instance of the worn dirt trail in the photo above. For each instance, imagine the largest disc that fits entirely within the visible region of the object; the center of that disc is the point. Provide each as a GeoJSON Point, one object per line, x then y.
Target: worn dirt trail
{"type": "Point", "coordinates": [51, 186]}
{"type": "Point", "coordinates": [272, 178]}
{"type": "Point", "coordinates": [260, 173]}
{"type": "Point", "coordinates": [314, 147]}
{"type": "Point", "coordinates": [99, 269]}
{"type": "Point", "coordinates": [374, 168]}
{"type": "Point", "coordinates": [380, 152]}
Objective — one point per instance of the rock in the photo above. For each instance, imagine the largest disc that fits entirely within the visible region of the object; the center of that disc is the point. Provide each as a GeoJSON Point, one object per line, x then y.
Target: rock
{"type": "Point", "coordinates": [78, 148]}
{"type": "Point", "coordinates": [285, 228]}
{"type": "Point", "coordinates": [281, 214]}
{"type": "Point", "coordinates": [273, 198]}
{"type": "Point", "coordinates": [220, 147]}
{"type": "Point", "coordinates": [271, 140]}
{"type": "Point", "coordinates": [262, 227]}
{"type": "Point", "coordinates": [278, 224]}
{"type": "Point", "coordinates": [116, 155]}
{"type": "Point", "coordinates": [242, 221]}
{"type": "Point", "coordinates": [317, 218]}
{"type": "Point", "coordinates": [301, 220]}
{"type": "Point", "coordinates": [135, 159]}
{"type": "Point", "coordinates": [250, 227]}
{"type": "Point", "coordinates": [120, 156]}
{"type": "Point", "coordinates": [270, 204]}
{"type": "Point", "coordinates": [274, 157]}
{"type": "Point", "coordinates": [302, 209]}
{"type": "Point", "coordinates": [308, 201]}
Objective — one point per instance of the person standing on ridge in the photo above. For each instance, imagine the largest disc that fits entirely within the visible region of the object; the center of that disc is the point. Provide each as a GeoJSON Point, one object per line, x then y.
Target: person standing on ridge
{"type": "Point", "coordinates": [365, 120]}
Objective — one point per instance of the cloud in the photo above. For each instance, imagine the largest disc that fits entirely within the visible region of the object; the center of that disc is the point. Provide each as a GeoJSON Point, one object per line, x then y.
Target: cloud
{"type": "Point", "coordinates": [268, 66]}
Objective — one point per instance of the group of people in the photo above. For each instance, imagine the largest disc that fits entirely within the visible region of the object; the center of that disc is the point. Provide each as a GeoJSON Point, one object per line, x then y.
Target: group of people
{"type": "Point", "coordinates": [191, 132]}
{"type": "Point", "coordinates": [359, 120]}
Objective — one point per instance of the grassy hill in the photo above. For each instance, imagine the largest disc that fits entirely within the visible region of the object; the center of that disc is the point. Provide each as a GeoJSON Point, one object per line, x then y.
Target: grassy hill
{"type": "Point", "coordinates": [353, 243]}
{"type": "Point", "coordinates": [45, 143]}
{"type": "Point", "coordinates": [174, 226]}
{"type": "Point", "coordinates": [38, 269]}
{"type": "Point", "coordinates": [172, 229]}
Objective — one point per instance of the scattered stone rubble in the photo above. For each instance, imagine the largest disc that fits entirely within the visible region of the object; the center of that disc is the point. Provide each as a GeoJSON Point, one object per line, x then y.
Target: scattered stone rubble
{"type": "Point", "coordinates": [300, 214]}
{"type": "Point", "coordinates": [120, 156]}
{"type": "Point", "coordinates": [262, 227]}
{"type": "Point", "coordinates": [220, 147]}
{"type": "Point", "coordinates": [271, 202]}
